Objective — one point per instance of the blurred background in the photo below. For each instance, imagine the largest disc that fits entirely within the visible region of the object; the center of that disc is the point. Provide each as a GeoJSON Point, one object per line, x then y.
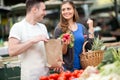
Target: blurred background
{"type": "Point", "coordinates": [105, 13]}
{"type": "Point", "coordinates": [101, 11]}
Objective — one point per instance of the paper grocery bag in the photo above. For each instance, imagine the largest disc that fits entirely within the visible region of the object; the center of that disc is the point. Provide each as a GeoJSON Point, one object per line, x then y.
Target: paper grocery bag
{"type": "Point", "coordinates": [54, 52]}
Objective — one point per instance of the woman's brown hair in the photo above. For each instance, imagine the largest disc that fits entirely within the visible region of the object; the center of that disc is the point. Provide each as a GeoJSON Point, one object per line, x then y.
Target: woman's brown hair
{"type": "Point", "coordinates": [63, 22]}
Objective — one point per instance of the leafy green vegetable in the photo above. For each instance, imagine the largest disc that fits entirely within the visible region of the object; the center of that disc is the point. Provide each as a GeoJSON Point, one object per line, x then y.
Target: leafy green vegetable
{"type": "Point", "coordinates": [107, 59]}
{"type": "Point", "coordinates": [116, 54]}
{"type": "Point", "coordinates": [110, 68]}
{"type": "Point", "coordinates": [111, 55]}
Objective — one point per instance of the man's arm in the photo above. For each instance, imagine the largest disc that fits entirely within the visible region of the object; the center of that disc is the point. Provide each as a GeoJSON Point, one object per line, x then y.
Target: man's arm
{"type": "Point", "coordinates": [16, 47]}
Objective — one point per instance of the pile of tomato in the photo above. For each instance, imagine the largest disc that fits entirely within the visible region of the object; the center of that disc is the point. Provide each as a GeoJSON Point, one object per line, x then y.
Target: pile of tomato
{"type": "Point", "coordinates": [67, 75]}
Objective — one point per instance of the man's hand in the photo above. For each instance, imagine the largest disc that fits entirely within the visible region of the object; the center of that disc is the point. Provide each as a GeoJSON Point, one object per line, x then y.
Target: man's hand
{"type": "Point", "coordinates": [39, 38]}
{"type": "Point", "coordinates": [57, 67]}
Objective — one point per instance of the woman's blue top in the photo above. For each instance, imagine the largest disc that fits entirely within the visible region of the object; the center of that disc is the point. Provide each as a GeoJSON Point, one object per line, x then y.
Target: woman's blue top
{"type": "Point", "coordinates": [78, 43]}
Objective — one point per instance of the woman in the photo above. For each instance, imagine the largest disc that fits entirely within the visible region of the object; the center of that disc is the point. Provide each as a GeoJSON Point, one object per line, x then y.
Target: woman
{"type": "Point", "coordinates": [68, 23]}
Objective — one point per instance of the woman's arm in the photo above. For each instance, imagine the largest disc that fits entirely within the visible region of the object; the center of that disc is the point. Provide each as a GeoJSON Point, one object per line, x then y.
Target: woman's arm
{"type": "Point", "coordinates": [91, 29]}
{"type": "Point", "coordinates": [89, 34]}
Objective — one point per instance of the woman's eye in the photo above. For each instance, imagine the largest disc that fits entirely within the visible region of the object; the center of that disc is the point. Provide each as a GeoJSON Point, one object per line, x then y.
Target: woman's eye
{"type": "Point", "coordinates": [68, 8]}
{"type": "Point", "coordinates": [63, 9]}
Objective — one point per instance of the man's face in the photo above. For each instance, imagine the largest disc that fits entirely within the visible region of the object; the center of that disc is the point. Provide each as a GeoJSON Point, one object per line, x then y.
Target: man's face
{"type": "Point", "coordinates": [41, 12]}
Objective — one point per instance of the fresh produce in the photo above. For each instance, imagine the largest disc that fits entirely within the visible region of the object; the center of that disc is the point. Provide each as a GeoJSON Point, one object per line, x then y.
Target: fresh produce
{"type": "Point", "coordinates": [110, 69]}
{"type": "Point", "coordinates": [44, 78]}
{"type": "Point", "coordinates": [66, 75]}
{"type": "Point", "coordinates": [97, 44]}
{"type": "Point", "coordinates": [68, 37]}
{"type": "Point", "coordinates": [110, 56]}
{"type": "Point", "coordinates": [111, 62]}
{"type": "Point", "coordinates": [107, 59]}
{"type": "Point", "coordinates": [54, 76]}
{"type": "Point", "coordinates": [99, 77]}
{"type": "Point", "coordinates": [116, 54]}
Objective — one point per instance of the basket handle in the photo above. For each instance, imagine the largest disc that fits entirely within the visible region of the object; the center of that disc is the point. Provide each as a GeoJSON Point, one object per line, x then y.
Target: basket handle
{"type": "Point", "coordinates": [84, 47]}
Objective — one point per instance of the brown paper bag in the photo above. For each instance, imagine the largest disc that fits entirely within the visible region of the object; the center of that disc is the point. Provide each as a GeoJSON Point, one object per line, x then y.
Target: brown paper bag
{"type": "Point", "coordinates": [54, 52]}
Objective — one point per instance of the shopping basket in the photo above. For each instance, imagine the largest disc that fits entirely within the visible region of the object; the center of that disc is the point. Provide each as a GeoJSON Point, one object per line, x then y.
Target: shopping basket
{"type": "Point", "coordinates": [90, 58]}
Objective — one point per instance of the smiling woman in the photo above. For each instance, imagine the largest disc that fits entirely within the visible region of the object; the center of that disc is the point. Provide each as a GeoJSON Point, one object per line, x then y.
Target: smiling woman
{"type": "Point", "coordinates": [69, 24]}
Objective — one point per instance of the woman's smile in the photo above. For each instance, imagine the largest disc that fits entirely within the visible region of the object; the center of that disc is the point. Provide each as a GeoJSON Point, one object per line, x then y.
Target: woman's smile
{"type": "Point", "coordinates": [67, 11]}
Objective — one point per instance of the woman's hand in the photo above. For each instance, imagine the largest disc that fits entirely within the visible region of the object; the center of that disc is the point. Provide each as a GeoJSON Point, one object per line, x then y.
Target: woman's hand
{"type": "Point", "coordinates": [66, 40]}
{"type": "Point", "coordinates": [91, 29]}
{"type": "Point", "coordinates": [90, 23]}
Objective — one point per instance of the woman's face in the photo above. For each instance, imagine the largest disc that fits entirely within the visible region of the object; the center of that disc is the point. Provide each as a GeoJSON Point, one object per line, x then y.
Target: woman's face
{"type": "Point", "coordinates": [67, 11]}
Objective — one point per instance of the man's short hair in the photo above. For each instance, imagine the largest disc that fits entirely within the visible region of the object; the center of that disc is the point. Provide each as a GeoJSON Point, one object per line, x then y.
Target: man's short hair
{"type": "Point", "coordinates": [31, 3]}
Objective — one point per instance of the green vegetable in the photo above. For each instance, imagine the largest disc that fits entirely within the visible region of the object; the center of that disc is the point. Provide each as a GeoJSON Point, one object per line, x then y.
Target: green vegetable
{"type": "Point", "coordinates": [111, 55]}
{"type": "Point", "coordinates": [119, 50]}
{"type": "Point", "coordinates": [116, 54]}
{"type": "Point", "coordinates": [107, 59]}
{"type": "Point", "coordinates": [110, 68]}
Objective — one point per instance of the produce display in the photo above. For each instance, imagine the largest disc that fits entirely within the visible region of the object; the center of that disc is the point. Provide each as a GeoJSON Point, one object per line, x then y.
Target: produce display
{"type": "Point", "coordinates": [66, 75]}
{"type": "Point", "coordinates": [108, 69]}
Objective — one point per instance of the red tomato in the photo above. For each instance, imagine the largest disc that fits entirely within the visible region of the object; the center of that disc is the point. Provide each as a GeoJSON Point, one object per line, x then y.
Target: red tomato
{"type": "Point", "coordinates": [75, 73]}
{"type": "Point", "coordinates": [68, 74]}
{"type": "Point", "coordinates": [62, 74]}
{"type": "Point", "coordinates": [53, 76]}
{"type": "Point", "coordinates": [78, 75]}
{"type": "Point", "coordinates": [81, 71]}
{"type": "Point", "coordinates": [43, 78]}
{"type": "Point", "coordinates": [52, 79]}
{"type": "Point", "coordinates": [61, 78]}
{"type": "Point", "coordinates": [71, 78]}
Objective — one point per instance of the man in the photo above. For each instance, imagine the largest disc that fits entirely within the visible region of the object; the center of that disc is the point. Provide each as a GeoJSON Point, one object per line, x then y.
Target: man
{"type": "Point", "coordinates": [27, 38]}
